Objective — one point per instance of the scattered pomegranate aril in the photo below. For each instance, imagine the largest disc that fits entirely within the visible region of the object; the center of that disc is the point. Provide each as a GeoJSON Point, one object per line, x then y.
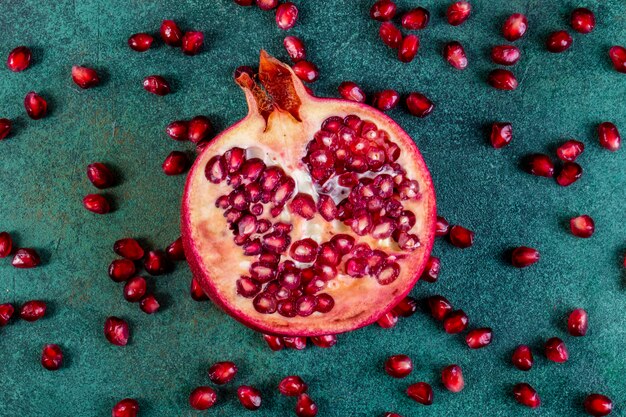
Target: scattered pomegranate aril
{"type": "Point", "coordinates": [383, 10]}
{"type": "Point", "coordinates": [96, 203]}
{"type": "Point", "coordinates": [431, 271]}
{"type": "Point", "coordinates": [578, 322]}
{"type": "Point", "coordinates": [442, 227]}
{"type": "Point", "coordinates": [192, 42]}
{"type": "Point", "coordinates": [100, 175]}
{"type": "Point", "coordinates": [175, 163]}
{"type": "Point", "coordinates": [558, 41]}
{"type": "Point", "coordinates": [286, 15]}
{"type": "Point", "coordinates": [177, 130]}
{"type": "Point", "coordinates": [196, 291]}
{"type": "Point", "coordinates": [514, 27]}
{"type": "Point", "coordinates": [128, 248]}
{"type": "Point", "coordinates": [419, 105]}
{"type": "Point", "coordinates": [202, 398]}
{"type": "Point", "coordinates": [149, 304]}
{"type": "Point", "coordinates": [540, 165]}
{"type": "Point", "coordinates": [157, 85]}
{"type": "Point", "coordinates": [618, 58]}
{"type": "Point", "coordinates": [556, 350]}
{"type": "Point", "coordinates": [305, 406]}
{"type": "Point", "coordinates": [582, 226]}
{"type": "Point", "coordinates": [609, 136]}
{"type": "Point", "coordinates": [6, 312]}
{"type": "Point", "coordinates": [51, 357]}
{"type": "Point", "coordinates": [26, 258]}
{"type": "Point", "coordinates": [523, 256]}
{"type": "Point", "coordinates": [116, 331]}
{"type": "Point", "coordinates": [6, 244]}
{"type": "Point", "coordinates": [505, 54]}
{"type": "Point", "coordinates": [170, 33]}
{"type": "Point", "coordinates": [295, 48]}
{"type": "Point", "coordinates": [35, 105]}
{"type": "Point", "coordinates": [439, 307]}
{"type": "Point", "coordinates": [5, 128]}
{"type": "Point", "coordinates": [398, 366]}
{"type": "Point", "coordinates": [292, 386]}
{"type": "Point", "coordinates": [266, 4]}
{"type": "Point", "coordinates": [306, 71]}
{"type": "Point", "coordinates": [85, 77]}
{"type": "Point", "coordinates": [249, 397]}
{"type": "Point", "coordinates": [19, 59]}
{"type": "Point", "coordinates": [390, 35]}
{"type": "Point", "coordinates": [326, 341]}
{"type": "Point", "coordinates": [526, 395]}
{"type": "Point", "coordinates": [135, 289]}
{"type": "Point", "coordinates": [122, 269]}
{"type": "Point", "coordinates": [455, 322]}
{"type": "Point", "coordinates": [582, 20]}
{"type": "Point", "coordinates": [522, 358]}
{"type": "Point", "coordinates": [479, 338]}
{"type": "Point", "coordinates": [140, 42]}
{"type": "Point", "coordinates": [128, 407]}
{"type": "Point", "coordinates": [388, 320]}
{"type": "Point", "coordinates": [458, 12]}
{"type": "Point", "coordinates": [570, 173]}
{"type": "Point", "coordinates": [275, 343]}
{"type": "Point", "coordinates": [244, 2]}
{"type": "Point", "coordinates": [221, 373]}
{"type": "Point", "coordinates": [408, 48]}
{"type": "Point", "coordinates": [598, 405]}
{"type": "Point", "coordinates": [406, 308]}
{"type": "Point", "coordinates": [415, 19]}
{"type": "Point", "coordinates": [386, 100]}
{"type": "Point", "coordinates": [420, 392]}
{"type": "Point", "coordinates": [452, 378]}
{"type": "Point", "coordinates": [351, 91]}
{"type": "Point", "coordinates": [461, 237]}
{"type": "Point", "coordinates": [454, 53]}
{"type": "Point", "coordinates": [198, 129]}
{"type": "Point", "coordinates": [33, 310]}
{"type": "Point", "coordinates": [501, 134]}
{"type": "Point", "coordinates": [570, 150]}
{"type": "Point", "coordinates": [175, 250]}
{"type": "Point", "coordinates": [502, 80]}
{"type": "Point", "coordinates": [156, 262]}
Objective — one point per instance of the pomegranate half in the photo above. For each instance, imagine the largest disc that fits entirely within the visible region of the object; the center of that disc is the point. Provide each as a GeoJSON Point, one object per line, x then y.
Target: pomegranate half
{"type": "Point", "coordinates": [310, 216]}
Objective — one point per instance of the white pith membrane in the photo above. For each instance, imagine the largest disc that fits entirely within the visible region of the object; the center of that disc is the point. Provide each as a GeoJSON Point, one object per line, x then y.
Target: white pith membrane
{"type": "Point", "coordinates": [279, 139]}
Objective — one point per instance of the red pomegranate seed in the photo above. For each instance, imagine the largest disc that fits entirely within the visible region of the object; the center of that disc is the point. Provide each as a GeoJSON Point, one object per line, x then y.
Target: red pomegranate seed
{"type": "Point", "coordinates": [570, 150]}
{"type": "Point", "coordinates": [501, 134]}
{"type": "Point", "coordinates": [135, 289]}
{"type": "Point", "coordinates": [192, 42]}
{"type": "Point", "coordinates": [175, 250]}
{"type": "Point", "coordinates": [5, 128]}
{"type": "Point", "coordinates": [388, 320]}
{"type": "Point", "coordinates": [128, 248]}
{"type": "Point", "coordinates": [85, 77]}
{"type": "Point", "coordinates": [6, 244]}
{"type": "Point", "coordinates": [420, 392]}
{"type": "Point", "coordinates": [100, 175]}
{"type": "Point", "coordinates": [221, 373]}
{"type": "Point", "coordinates": [326, 341]}
{"type": "Point", "coordinates": [408, 48]}
{"type": "Point", "coordinates": [175, 163]}
{"type": "Point", "coordinates": [570, 173]}
{"type": "Point", "coordinates": [540, 165]}
{"type": "Point", "coordinates": [121, 270]}
{"type": "Point", "coordinates": [479, 338]}
{"type": "Point", "coordinates": [35, 105]}
{"type": "Point", "coordinates": [502, 79]}
{"type": "Point", "coordinates": [452, 378]}
{"type": "Point", "coordinates": [51, 357]}
{"type": "Point", "coordinates": [556, 350]}
{"type": "Point", "coordinates": [292, 386]}
{"type": "Point", "coordinates": [249, 397]}
{"type": "Point", "coordinates": [157, 85]}
{"type": "Point", "coordinates": [96, 203]}
{"type": "Point", "coordinates": [202, 398]}
{"type": "Point", "coordinates": [398, 366]}
{"type": "Point", "coordinates": [618, 58]}
{"type": "Point", "coordinates": [505, 54]}
{"type": "Point", "coordinates": [390, 34]}
{"type": "Point", "coordinates": [522, 358]}
{"type": "Point", "coordinates": [583, 20]}
{"type": "Point", "coordinates": [406, 308]}
{"type": "Point", "coordinates": [156, 262]}
{"type": "Point", "coordinates": [33, 310]}
{"type": "Point", "coordinates": [140, 42]}
{"type": "Point", "coordinates": [26, 258]}
{"type": "Point", "coordinates": [609, 136]}
{"type": "Point", "coordinates": [383, 10]}
{"type": "Point", "coordinates": [196, 291]}
{"type": "Point", "coordinates": [170, 33]}
{"type": "Point", "coordinates": [116, 331]}
{"type": "Point", "coordinates": [558, 41]}
{"type": "Point", "coordinates": [419, 105]}
{"type": "Point", "coordinates": [514, 27]}
{"type": "Point", "coordinates": [244, 2]}
{"type": "Point", "coordinates": [386, 100]}
{"type": "Point", "coordinates": [297, 343]}
{"type": "Point", "coordinates": [177, 130]}
{"type": "Point", "coordinates": [351, 91]}
{"type": "Point", "coordinates": [126, 408]}
{"type": "Point", "coordinates": [598, 405]}
{"type": "Point", "coordinates": [455, 322]}
{"type": "Point", "coordinates": [526, 395]}
{"type": "Point", "coordinates": [458, 12]}
{"type": "Point", "coordinates": [461, 237]}
{"type": "Point", "coordinates": [149, 304]}
{"type": "Point", "coordinates": [523, 256]}
{"type": "Point", "coordinates": [431, 270]}
{"type": "Point", "coordinates": [286, 15]}
{"type": "Point", "coordinates": [199, 129]}
{"type": "Point", "coordinates": [442, 226]}
{"type": "Point", "coordinates": [6, 312]}
{"type": "Point", "coordinates": [266, 4]}
{"type": "Point", "coordinates": [19, 59]}
{"type": "Point", "coordinates": [582, 226]}
{"type": "Point", "coordinates": [306, 71]}
{"type": "Point", "coordinates": [305, 407]}
{"type": "Point", "coordinates": [415, 19]}
{"type": "Point", "coordinates": [439, 307]}
{"type": "Point", "coordinates": [454, 53]}
{"type": "Point", "coordinates": [295, 48]}
{"type": "Point", "coordinates": [578, 322]}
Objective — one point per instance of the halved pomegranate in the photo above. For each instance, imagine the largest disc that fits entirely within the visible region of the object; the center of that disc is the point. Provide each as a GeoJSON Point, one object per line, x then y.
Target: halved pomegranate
{"type": "Point", "coordinates": [310, 216]}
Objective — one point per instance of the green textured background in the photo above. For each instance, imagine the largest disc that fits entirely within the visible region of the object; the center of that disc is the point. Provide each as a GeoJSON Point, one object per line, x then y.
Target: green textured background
{"type": "Point", "coordinates": [42, 182]}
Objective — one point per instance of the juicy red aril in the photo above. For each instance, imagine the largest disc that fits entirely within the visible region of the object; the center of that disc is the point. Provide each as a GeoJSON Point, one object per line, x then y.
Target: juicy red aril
{"type": "Point", "coordinates": [408, 48]}
{"type": "Point", "coordinates": [175, 163]}
{"type": "Point", "coordinates": [298, 343]}
{"type": "Point", "coordinates": [598, 405]}
{"type": "Point", "coordinates": [244, 2]}
{"type": "Point", "coordinates": [286, 15]}
{"type": "Point", "coordinates": [442, 226]}
{"type": "Point", "coordinates": [526, 395]}
{"type": "Point", "coordinates": [351, 91]}
{"type": "Point", "coordinates": [116, 331]}
{"type": "Point", "coordinates": [540, 165]}
{"type": "Point", "coordinates": [35, 105]}
{"type": "Point", "coordinates": [292, 386]}
{"type": "Point", "coordinates": [455, 322]}
{"type": "Point", "coordinates": [501, 134]}
{"type": "Point", "coordinates": [202, 398]}
{"type": "Point", "coordinates": [415, 19]}
{"type": "Point", "coordinates": [452, 378]}
{"type": "Point", "coordinates": [156, 262]}
{"type": "Point", "coordinates": [192, 42]}
{"type": "Point", "coordinates": [140, 42]}
{"type": "Point", "coordinates": [522, 358]}
{"type": "Point", "coordinates": [249, 397]}
{"type": "Point", "coordinates": [514, 27]}
{"type": "Point", "coordinates": [479, 338]}
{"type": "Point", "coordinates": [558, 41]}
{"type": "Point", "coordinates": [582, 20]}
{"type": "Point", "coordinates": [578, 322]}
{"type": "Point", "coordinates": [199, 129]}
{"type": "Point", "coordinates": [306, 71]}
{"type": "Point", "coordinates": [156, 84]}
{"type": "Point", "coordinates": [458, 12]}
{"type": "Point", "coordinates": [100, 175]}
{"type": "Point", "coordinates": [556, 350]}
{"type": "Point", "coordinates": [126, 408]}
{"type": "Point", "coordinates": [431, 270]}
{"type": "Point", "coordinates": [570, 150]}
{"type": "Point", "coordinates": [502, 79]}
{"type": "Point", "coordinates": [221, 373]}
{"type": "Point", "coordinates": [135, 289]}
{"type": "Point", "coordinates": [420, 392]}
{"type": "Point", "coordinates": [398, 366]}
{"type": "Point", "coordinates": [266, 4]}
{"type": "Point", "coordinates": [295, 48]}
{"type": "Point", "coordinates": [177, 130]}
{"type": "Point", "coordinates": [386, 100]}
{"type": "Point", "coordinates": [128, 248]}
{"type": "Point", "coordinates": [461, 237]}
{"type": "Point", "coordinates": [388, 320]}
{"type": "Point", "coordinates": [505, 54]}
{"type": "Point", "coordinates": [175, 250]}
{"type": "Point", "coordinates": [5, 128]}
{"type": "Point", "coordinates": [149, 304]}
{"type": "Point", "coordinates": [570, 173]}
{"type": "Point", "coordinates": [618, 58]}
{"type": "Point", "coordinates": [406, 308]}
{"type": "Point", "coordinates": [582, 226]}
{"type": "Point", "coordinates": [196, 291]}
{"type": "Point", "coordinates": [6, 244]}
{"type": "Point", "coordinates": [170, 33]}
{"type": "Point", "coordinates": [523, 256]}
{"type": "Point", "coordinates": [325, 303]}
{"type": "Point", "coordinates": [609, 136]}
{"type": "Point", "coordinates": [85, 77]}
{"type": "Point", "coordinates": [454, 53]}
{"type": "Point", "coordinates": [19, 59]}
{"type": "Point", "coordinates": [383, 10]}
{"type": "Point", "coordinates": [26, 258]}
{"type": "Point", "coordinates": [96, 203]}
{"type": "Point", "coordinates": [325, 341]}
{"type": "Point", "coordinates": [419, 105]}
{"type": "Point", "coordinates": [305, 407]}
{"type": "Point", "coordinates": [6, 312]}
{"type": "Point", "coordinates": [51, 357]}
{"type": "Point", "coordinates": [275, 343]}
{"type": "Point", "coordinates": [33, 310]}
{"type": "Point", "coordinates": [122, 269]}
{"type": "Point", "coordinates": [439, 307]}
{"type": "Point", "coordinates": [390, 34]}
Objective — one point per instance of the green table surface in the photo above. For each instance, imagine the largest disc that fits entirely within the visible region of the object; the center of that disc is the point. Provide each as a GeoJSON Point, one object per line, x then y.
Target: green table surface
{"type": "Point", "coordinates": [42, 182]}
